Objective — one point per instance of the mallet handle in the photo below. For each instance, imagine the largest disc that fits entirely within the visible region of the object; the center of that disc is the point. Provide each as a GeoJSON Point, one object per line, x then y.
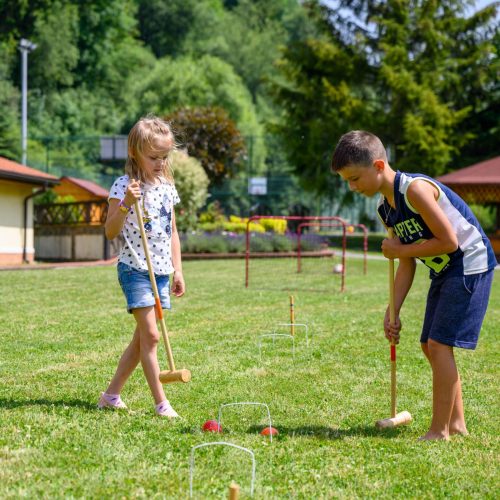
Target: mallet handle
{"type": "Point", "coordinates": [158, 308]}
{"type": "Point", "coordinates": [392, 319]}
{"type": "Point", "coordinates": [292, 316]}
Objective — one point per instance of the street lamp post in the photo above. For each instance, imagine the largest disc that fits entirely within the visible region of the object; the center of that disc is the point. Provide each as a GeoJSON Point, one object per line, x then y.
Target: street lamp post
{"type": "Point", "coordinates": [25, 46]}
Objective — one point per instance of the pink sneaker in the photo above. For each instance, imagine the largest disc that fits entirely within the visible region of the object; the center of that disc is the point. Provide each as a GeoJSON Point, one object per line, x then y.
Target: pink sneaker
{"type": "Point", "coordinates": [164, 409]}
{"type": "Point", "coordinates": [111, 401]}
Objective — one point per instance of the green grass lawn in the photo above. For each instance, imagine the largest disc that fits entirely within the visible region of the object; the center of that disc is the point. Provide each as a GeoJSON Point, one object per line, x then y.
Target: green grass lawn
{"type": "Point", "coordinates": [62, 332]}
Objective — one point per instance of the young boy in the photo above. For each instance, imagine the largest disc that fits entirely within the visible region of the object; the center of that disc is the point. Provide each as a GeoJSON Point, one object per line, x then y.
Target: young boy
{"type": "Point", "coordinates": [435, 225]}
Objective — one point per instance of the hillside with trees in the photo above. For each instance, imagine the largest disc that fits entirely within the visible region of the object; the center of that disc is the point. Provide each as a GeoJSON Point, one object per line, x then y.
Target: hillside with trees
{"type": "Point", "coordinates": [287, 78]}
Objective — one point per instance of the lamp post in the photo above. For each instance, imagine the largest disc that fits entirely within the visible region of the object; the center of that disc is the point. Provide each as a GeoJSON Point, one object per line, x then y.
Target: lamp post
{"type": "Point", "coordinates": [25, 46]}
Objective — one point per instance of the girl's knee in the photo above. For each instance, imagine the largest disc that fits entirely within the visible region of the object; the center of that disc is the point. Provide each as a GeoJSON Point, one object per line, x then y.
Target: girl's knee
{"type": "Point", "coordinates": [150, 338]}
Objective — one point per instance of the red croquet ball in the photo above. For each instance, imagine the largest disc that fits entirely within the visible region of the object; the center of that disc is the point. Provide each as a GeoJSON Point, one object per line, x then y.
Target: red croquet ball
{"type": "Point", "coordinates": [269, 430]}
{"type": "Point", "coordinates": [211, 426]}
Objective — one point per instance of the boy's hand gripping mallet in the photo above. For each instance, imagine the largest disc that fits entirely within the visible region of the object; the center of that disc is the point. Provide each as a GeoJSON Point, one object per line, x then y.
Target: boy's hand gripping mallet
{"type": "Point", "coordinates": [172, 375]}
{"type": "Point", "coordinates": [403, 417]}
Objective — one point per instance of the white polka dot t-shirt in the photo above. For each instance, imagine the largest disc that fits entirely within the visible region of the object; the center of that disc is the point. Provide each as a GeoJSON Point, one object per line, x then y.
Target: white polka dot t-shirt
{"type": "Point", "coordinates": [159, 201]}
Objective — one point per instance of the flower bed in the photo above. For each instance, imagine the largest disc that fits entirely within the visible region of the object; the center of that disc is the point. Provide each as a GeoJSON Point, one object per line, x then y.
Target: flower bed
{"type": "Point", "coordinates": [229, 242]}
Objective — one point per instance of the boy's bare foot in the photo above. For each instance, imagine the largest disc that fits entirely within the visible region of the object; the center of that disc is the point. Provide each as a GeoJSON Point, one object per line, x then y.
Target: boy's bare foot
{"type": "Point", "coordinates": [459, 432]}
{"type": "Point", "coordinates": [434, 436]}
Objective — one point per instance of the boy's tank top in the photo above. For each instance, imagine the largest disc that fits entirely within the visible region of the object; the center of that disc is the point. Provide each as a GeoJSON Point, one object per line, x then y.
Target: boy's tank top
{"type": "Point", "coordinates": [474, 254]}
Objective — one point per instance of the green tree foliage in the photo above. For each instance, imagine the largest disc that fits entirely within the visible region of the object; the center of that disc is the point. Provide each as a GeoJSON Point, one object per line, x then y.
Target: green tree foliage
{"type": "Point", "coordinates": [207, 81]}
{"type": "Point", "coordinates": [436, 72]}
{"type": "Point", "coordinates": [83, 75]}
{"type": "Point", "coordinates": [191, 183]}
{"type": "Point", "coordinates": [477, 51]}
{"type": "Point", "coordinates": [9, 117]}
{"type": "Point", "coordinates": [422, 74]}
{"type": "Point", "coordinates": [164, 25]}
{"type": "Point", "coordinates": [432, 60]}
{"type": "Point", "coordinates": [320, 94]}
{"type": "Point", "coordinates": [249, 36]}
{"type": "Point", "coordinates": [212, 137]}
{"type": "Point", "coordinates": [246, 29]}
{"type": "Point", "coordinates": [204, 82]}
{"type": "Point", "coordinates": [395, 67]}
{"type": "Point", "coordinates": [52, 65]}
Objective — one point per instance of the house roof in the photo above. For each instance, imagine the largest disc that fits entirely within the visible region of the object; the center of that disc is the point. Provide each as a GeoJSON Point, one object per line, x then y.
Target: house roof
{"type": "Point", "coordinates": [485, 172]}
{"type": "Point", "coordinates": [89, 186]}
{"type": "Point", "coordinates": [11, 170]}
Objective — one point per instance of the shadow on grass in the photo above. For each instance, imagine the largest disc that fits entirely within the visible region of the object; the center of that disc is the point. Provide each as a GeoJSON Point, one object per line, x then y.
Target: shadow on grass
{"type": "Point", "coordinates": [322, 432]}
{"type": "Point", "coordinates": [10, 404]}
{"type": "Point", "coordinates": [310, 431]}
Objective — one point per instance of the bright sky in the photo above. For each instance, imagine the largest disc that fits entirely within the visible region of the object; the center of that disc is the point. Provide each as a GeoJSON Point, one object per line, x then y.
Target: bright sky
{"type": "Point", "coordinates": [479, 3]}
{"type": "Point", "coordinates": [483, 3]}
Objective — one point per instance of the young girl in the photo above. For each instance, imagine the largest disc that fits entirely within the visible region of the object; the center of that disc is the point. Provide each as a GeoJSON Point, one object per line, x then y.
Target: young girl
{"type": "Point", "coordinates": [148, 179]}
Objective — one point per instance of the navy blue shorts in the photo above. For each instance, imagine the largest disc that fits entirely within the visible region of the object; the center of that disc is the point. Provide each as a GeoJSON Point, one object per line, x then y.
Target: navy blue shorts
{"type": "Point", "coordinates": [455, 309]}
{"type": "Point", "coordinates": [138, 290]}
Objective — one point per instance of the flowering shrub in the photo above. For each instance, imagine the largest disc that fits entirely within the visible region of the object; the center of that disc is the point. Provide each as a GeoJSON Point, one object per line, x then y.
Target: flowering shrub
{"type": "Point", "coordinates": [277, 226]}
{"type": "Point", "coordinates": [191, 182]}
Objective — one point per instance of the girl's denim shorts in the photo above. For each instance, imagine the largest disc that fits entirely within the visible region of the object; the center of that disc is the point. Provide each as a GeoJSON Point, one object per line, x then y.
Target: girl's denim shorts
{"type": "Point", "coordinates": [138, 290]}
{"type": "Point", "coordinates": [455, 310]}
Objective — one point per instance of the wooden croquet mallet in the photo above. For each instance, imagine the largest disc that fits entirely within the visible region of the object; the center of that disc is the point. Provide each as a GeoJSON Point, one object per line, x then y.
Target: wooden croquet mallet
{"type": "Point", "coordinates": [403, 417]}
{"type": "Point", "coordinates": [172, 375]}
{"type": "Point", "coordinates": [292, 316]}
{"type": "Point", "coordinates": [234, 491]}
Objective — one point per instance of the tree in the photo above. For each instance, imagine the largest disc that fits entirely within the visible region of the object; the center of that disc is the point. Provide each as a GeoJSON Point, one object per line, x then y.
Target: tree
{"type": "Point", "coordinates": [52, 64]}
{"type": "Point", "coordinates": [431, 61]}
{"type": "Point", "coordinates": [210, 136]}
{"type": "Point", "coordinates": [164, 25]}
{"type": "Point", "coordinates": [204, 82]}
{"type": "Point", "coordinates": [321, 94]}
{"type": "Point", "coordinates": [10, 141]}
{"type": "Point", "coordinates": [478, 49]}
{"type": "Point", "coordinates": [393, 67]}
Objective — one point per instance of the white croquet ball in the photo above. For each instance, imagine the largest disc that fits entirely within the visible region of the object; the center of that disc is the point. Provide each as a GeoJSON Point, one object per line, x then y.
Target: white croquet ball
{"type": "Point", "coordinates": [337, 268]}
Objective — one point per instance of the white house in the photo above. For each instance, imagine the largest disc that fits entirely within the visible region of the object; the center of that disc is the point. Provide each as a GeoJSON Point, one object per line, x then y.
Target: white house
{"type": "Point", "coordinates": [18, 185]}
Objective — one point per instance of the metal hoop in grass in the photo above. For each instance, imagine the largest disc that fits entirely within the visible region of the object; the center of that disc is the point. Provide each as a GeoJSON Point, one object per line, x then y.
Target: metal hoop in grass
{"type": "Point", "coordinates": [219, 419]}
{"type": "Point", "coordinates": [293, 325]}
{"type": "Point", "coordinates": [220, 443]}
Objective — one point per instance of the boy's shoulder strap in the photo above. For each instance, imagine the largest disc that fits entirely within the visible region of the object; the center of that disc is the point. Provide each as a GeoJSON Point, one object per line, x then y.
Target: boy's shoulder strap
{"type": "Point", "coordinates": [407, 179]}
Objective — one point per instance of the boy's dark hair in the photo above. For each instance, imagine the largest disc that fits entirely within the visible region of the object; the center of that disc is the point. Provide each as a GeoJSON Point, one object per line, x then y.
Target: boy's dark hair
{"type": "Point", "coordinates": [357, 148]}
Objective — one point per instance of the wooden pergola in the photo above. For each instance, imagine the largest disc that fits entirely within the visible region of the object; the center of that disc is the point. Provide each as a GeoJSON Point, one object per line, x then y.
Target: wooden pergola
{"type": "Point", "coordinates": [479, 183]}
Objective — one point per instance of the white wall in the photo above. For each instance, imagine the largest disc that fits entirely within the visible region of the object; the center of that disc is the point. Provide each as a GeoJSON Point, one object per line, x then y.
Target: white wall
{"type": "Point", "coordinates": [12, 195]}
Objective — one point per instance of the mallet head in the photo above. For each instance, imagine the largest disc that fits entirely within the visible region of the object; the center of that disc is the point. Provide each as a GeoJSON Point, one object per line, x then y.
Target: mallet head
{"type": "Point", "coordinates": [169, 376]}
{"type": "Point", "coordinates": [402, 418]}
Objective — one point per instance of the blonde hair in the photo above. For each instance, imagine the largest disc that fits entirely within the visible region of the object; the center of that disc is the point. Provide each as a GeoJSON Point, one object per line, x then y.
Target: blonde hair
{"type": "Point", "coordinates": [149, 136]}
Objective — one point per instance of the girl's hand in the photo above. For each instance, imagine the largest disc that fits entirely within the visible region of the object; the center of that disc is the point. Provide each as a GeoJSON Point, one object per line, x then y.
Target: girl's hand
{"type": "Point", "coordinates": [391, 248]}
{"type": "Point", "coordinates": [133, 193]}
{"type": "Point", "coordinates": [392, 331]}
{"type": "Point", "coordinates": [178, 285]}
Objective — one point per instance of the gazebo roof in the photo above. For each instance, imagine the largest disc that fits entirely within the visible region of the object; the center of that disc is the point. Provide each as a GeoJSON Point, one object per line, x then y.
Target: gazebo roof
{"type": "Point", "coordinates": [485, 172]}
{"type": "Point", "coordinates": [479, 183]}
